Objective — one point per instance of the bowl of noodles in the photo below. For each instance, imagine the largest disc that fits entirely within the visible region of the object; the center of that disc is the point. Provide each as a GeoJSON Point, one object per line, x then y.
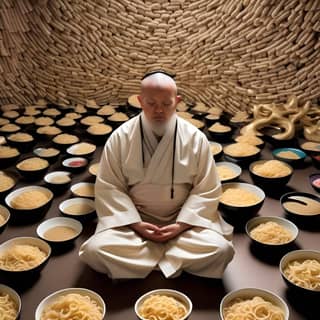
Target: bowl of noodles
{"type": "Point", "coordinates": [163, 304]}
{"type": "Point", "coordinates": [302, 208]}
{"type": "Point", "coordinates": [300, 269]}
{"type": "Point", "coordinates": [241, 153]}
{"type": "Point", "coordinates": [240, 201]}
{"type": "Point", "coordinates": [274, 233]}
{"type": "Point", "coordinates": [23, 256]}
{"type": "Point", "coordinates": [32, 168]}
{"type": "Point", "coordinates": [270, 174]}
{"type": "Point", "coordinates": [253, 303]}
{"type": "Point", "coordinates": [79, 208]}
{"type": "Point", "coordinates": [10, 303]}
{"type": "Point", "coordinates": [71, 303]}
{"type": "Point", "coordinates": [293, 156]}
{"type": "Point", "coordinates": [4, 217]}
{"type": "Point", "coordinates": [228, 171]}
{"type": "Point", "coordinates": [28, 204]}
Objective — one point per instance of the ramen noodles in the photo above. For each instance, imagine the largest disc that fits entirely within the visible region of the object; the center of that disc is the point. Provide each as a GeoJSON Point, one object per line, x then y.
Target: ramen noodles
{"type": "Point", "coordinates": [65, 138]}
{"type": "Point", "coordinates": [44, 121]}
{"type": "Point", "coordinates": [271, 233]}
{"type": "Point", "coordinates": [8, 307]}
{"type": "Point", "coordinates": [10, 127]}
{"type": "Point", "coordinates": [99, 129]}
{"type": "Point", "coordinates": [72, 306]}
{"type": "Point", "coordinates": [49, 130]}
{"type": "Point", "coordinates": [255, 308]}
{"type": "Point", "coordinates": [271, 169]}
{"type": "Point", "coordinates": [162, 307]}
{"type": "Point", "coordinates": [29, 199]}
{"type": "Point", "coordinates": [240, 149]}
{"type": "Point", "coordinates": [224, 172]}
{"type": "Point", "coordinates": [25, 120]}
{"type": "Point", "coordinates": [8, 152]}
{"type": "Point", "coordinates": [239, 197]}
{"type": "Point", "coordinates": [33, 163]}
{"type": "Point", "coordinates": [6, 182]}
{"type": "Point", "coordinates": [118, 116]}
{"type": "Point", "coordinates": [288, 155]}
{"type": "Point", "coordinates": [21, 257]}
{"type": "Point", "coordinates": [90, 120]}
{"type": "Point", "coordinates": [20, 137]}
{"type": "Point", "coordinates": [250, 139]}
{"type": "Point", "coordinates": [304, 273]}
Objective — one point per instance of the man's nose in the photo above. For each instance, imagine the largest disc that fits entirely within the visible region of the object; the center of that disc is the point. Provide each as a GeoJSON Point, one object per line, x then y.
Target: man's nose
{"type": "Point", "coordinates": [159, 109]}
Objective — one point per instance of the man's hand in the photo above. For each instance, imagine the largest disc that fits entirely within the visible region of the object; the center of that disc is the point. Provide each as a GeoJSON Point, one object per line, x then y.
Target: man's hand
{"type": "Point", "coordinates": [159, 234]}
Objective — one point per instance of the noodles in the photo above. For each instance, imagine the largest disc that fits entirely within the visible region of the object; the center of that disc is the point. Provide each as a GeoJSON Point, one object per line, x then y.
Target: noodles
{"type": "Point", "coordinates": [8, 152]}
{"type": "Point", "coordinates": [304, 273]}
{"type": "Point", "coordinates": [288, 155]}
{"type": "Point", "coordinates": [220, 128]}
{"type": "Point", "coordinates": [271, 169]}
{"type": "Point", "coordinates": [197, 123]}
{"type": "Point", "coordinates": [33, 163]}
{"type": "Point", "coordinates": [78, 209]}
{"type": "Point", "coordinates": [252, 309]}
{"type": "Point", "coordinates": [83, 148]}
{"type": "Point", "coordinates": [8, 307]}
{"type": "Point", "coordinates": [99, 128]}
{"type": "Point", "coordinates": [161, 307]}
{"type": "Point", "coordinates": [30, 199]}
{"type": "Point", "coordinates": [65, 138]}
{"type": "Point", "coordinates": [271, 233]}
{"type": "Point", "coordinates": [250, 139]}
{"type": "Point", "coordinates": [20, 137]}
{"type": "Point", "coordinates": [224, 172]}
{"type": "Point", "coordinates": [49, 130]}
{"type": "Point", "coordinates": [239, 197]}
{"type": "Point", "coordinates": [73, 306]}
{"type": "Point", "coordinates": [6, 182]}
{"type": "Point", "coordinates": [240, 149]}
{"type": "Point", "coordinates": [118, 117]}
{"type": "Point", "coordinates": [91, 120]}
{"type": "Point", "coordinates": [21, 257]}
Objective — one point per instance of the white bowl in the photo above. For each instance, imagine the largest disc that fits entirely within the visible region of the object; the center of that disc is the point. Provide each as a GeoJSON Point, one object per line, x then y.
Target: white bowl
{"type": "Point", "coordinates": [13, 295]}
{"type": "Point", "coordinates": [167, 292]}
{"type": "Point", "coordinates": [78, 201]}
{"type": "Point", "coordinates": [249, 293]}
{"type": "Point", "coordinates": [93, 169]}
{"type": "Point", "coordinates": [79, 185]}
{"type": "Point", "coordinates": [41, 244]}
{"type": "Point", "coordinates": [52, 297]}
{"type": "Point", "coordinates": [5, 213]}
{"type": "Point", "coordinates": [59, 222]}
{"type": "Point", "coordinates": [232, 166]}
{"type": "Point", "coordinates": [49, 178]}
{"type": "Point", "coordinates": [298, 255]}
{"type": "Point", "coordinates": [74, 150]}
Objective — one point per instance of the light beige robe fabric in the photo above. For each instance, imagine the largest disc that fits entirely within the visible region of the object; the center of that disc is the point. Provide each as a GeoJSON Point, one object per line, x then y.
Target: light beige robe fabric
{"type": "Point", "coordinates": [127, 192]}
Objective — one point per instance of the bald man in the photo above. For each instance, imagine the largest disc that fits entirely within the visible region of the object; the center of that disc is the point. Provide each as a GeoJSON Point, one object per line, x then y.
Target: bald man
{"type": "Point", "coordinates": [157, 193]}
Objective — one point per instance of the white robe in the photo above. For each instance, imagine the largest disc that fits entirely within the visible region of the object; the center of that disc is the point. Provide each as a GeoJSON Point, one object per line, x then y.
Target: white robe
{"type": "Point", "coordinates": [126, 193]}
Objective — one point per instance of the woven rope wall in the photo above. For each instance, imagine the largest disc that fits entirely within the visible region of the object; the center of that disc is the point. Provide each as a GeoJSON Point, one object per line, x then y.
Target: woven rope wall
{"type": "Point", "coordinates": [226, 53]}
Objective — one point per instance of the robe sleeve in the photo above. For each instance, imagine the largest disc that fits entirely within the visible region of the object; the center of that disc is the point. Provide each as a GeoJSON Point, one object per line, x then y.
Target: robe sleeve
{"type": "Point", "coordinates": [200, 208]}
{"type": "Point", "coordinates": [113, 205]}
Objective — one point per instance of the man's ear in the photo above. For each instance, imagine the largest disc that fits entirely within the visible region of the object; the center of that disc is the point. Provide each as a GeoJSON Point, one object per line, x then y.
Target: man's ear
{"type": "Point", "coordinates": [139, 98]}
{"type": "Point", "coordinates": [178, 99]}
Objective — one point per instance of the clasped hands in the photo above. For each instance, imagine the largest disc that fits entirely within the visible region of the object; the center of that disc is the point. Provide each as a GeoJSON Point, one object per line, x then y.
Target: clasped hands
{"type": "Point", "coordinates": [159, 233]}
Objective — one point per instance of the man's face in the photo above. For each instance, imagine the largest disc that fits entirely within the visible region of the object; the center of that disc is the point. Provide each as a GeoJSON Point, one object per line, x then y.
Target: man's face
{"type": "Point", "coordinates": [158, 104]}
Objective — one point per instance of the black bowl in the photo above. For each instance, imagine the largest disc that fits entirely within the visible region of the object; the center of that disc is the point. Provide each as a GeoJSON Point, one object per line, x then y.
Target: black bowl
{"type": "Point", "coordinates": [66, 127]}
{"type": "Point", "coordinates": [47, 135]}
{"type": "Point", "coordinates": [6, 162]}
{"type": "Point", "coordinates": [242, 161]}
{"type": "Point", "coordinates": [44, 153]}
{"type": "Point", "coordinates": [22, 146]}
{"type": "Point", "coordinates": [295, 162]}
{"type": "Point", "coordinates": [28, 214]}
{"type": "Point", "coordinates": [62, 144]}
{"type": "Point", "coordinates": [5, 217]}
{"type": "Point", "coordinates": [12, 176]}
{"type": "Point", "coordinates": [311, 148]}
{"type": "Point", "coordinates": [303, 220]}
{"type": "Point", "coordinates": [299, 255]}
{"type": "Point", "coordinates": [315, 181]}
{"type": "Point", "coordinates": [99, 138]}
{"type": "Point", "coordinates": [75, 164]}
{"type": "Point", "coordinates": [34, 174]}
{"type": "Point", "coordinates": [241, 213]}
{"type": "Point", "coordinates": [273, 248]}
{"type": "Point", "coordinates": [24, 274]}
{"type": "Point", "coordinates": [211, 119]}
{"type": "Point", "coordinates": [269, 183]}
{"type": "Point", "coordinates": [221, 136]}
{"type": "Point", "coordinates": [316, 161]}
{"type": "Point", "coordinates": [58, 181]}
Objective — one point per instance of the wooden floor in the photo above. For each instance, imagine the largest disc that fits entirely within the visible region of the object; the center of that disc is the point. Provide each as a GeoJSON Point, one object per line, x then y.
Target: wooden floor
{"type": "Point", "coordinates": [247, 269]}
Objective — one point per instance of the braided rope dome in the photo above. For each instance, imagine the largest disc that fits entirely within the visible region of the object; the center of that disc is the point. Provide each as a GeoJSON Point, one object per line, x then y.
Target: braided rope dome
{"type": "Point", "coordinates": [231, 54]}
